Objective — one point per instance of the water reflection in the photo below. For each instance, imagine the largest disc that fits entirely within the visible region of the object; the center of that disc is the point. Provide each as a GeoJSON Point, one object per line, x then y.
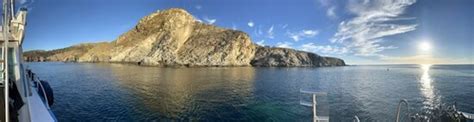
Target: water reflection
{"type": "Point", "coordinates": [427, 86]}
{"type": "Point", "coordinates": [192, 93]}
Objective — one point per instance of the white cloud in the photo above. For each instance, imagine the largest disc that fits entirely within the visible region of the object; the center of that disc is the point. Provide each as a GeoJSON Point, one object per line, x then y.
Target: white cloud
{"type": "Point", "coordinates": [261, 43]}
{"type": "Point", "coordinates": [258, 31]}
{"type": "Point", "coordinates": [374, 21]}
{"type": "Point", "coordinates": [284, 44]}
{"type": "Point", "coordinates": [331, 9]}
{"type": "Point", "coordinates": [250, 24]}
{"type": "Point", "coordinates": [296, 36]}
{"type": "Point", "coordinates": [331, 12]}
{"type": "Point", "coordinates": [327, 49]}
{"type": "Point", "coordinates": [210, 21]}
{"type": "Point", "coordinates": [262, 32]}
{"type": "Point", "coordinates": [198, 19]}
{"type": "Point", "coordinates": [27, 4]}
{"type": "Point", "coordinates": [310, 33]}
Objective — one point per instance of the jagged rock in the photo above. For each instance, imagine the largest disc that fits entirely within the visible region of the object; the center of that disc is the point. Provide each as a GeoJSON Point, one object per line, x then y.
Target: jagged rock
{"type": "Point", "coordinates": [174, 38]}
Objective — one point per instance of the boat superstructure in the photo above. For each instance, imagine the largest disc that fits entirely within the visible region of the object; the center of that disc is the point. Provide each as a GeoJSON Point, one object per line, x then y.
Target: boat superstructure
{"type": "Point", "coordinates": [25, 96]}
{"type": "Point", "coordinates": [449, 113]}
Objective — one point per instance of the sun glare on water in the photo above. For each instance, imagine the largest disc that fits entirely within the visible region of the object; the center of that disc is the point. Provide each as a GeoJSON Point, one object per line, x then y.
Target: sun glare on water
{"type": "Point", "coordinates": [427, 86]}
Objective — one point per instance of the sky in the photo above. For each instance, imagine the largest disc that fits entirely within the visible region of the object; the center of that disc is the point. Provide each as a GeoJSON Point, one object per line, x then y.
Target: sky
{"type": "Point", "coordinates": [358, 31]}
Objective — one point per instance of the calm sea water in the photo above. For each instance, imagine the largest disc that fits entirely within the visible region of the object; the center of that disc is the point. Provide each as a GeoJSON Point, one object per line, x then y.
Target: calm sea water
{"type": "Point", "coordinates": [129, 92]}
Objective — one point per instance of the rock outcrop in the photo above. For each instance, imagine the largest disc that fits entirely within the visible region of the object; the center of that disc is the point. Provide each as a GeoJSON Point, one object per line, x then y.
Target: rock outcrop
{"type": "Point", "coordinates": [174, 38]}
{"type": "Point", "coordinates": [65, 54]}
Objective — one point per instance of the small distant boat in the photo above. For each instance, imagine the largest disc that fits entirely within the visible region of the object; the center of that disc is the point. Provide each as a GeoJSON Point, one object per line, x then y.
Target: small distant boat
{"type": "Point", "coordinates": [448, 114]}
{"type": "Point", "coordinates": [26, 98]}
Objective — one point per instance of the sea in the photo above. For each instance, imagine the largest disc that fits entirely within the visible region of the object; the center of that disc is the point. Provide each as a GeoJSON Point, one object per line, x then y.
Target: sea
{"type": "Point", "coordinates": [107, 92]}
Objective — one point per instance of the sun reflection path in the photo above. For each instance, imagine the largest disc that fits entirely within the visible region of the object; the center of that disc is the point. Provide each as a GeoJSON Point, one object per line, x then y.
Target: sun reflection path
{"type": "Point", "coordinates": [427, 87]}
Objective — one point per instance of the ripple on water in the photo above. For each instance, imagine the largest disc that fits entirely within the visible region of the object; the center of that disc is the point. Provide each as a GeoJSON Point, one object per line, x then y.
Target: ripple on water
{"type": "Point", "coordinates": [128, 92]}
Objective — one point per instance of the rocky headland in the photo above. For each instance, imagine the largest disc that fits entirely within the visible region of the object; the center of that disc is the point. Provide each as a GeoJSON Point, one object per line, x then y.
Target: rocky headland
{"type": "Point", "coordinates": [174, 38]}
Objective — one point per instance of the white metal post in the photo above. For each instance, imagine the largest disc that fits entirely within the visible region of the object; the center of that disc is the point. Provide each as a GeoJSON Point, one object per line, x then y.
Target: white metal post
{"type": "Point", "coordinates": [314, 108]}
{"type": "Point", "coordinates": [5, 30]}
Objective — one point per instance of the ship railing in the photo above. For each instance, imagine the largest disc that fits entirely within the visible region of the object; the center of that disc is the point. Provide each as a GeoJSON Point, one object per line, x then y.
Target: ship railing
{"type": "Point", "coordinates": [37, 83]}
{"type": "Point", "coordinates": [449, 113]}
{"type": "Point", "coordinates": [403, 101]}
{"type": "Point", "coordinates": [468, 115]}
{"type": "Point", "coordinates": [356, 119]}
{"type": "Point", "coordinates": [313, 104]}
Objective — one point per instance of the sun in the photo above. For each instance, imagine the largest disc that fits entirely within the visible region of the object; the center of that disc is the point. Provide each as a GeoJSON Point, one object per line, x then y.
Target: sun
{"type": "Point", "coordinates": [424, 46]}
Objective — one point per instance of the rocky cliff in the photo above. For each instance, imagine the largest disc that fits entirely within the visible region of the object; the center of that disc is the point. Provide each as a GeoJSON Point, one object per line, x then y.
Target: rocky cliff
{"type": "Point", "coordinates": [290, 57]}
{"type": "Point", "coordinates": [174, 38]}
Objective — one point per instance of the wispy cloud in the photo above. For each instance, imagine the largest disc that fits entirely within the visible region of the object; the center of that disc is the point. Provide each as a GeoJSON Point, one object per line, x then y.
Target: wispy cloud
{"type": "Point", "coordinates": [284, 44]}
{"type": "Point", "coordinates": [270, 33]}
{"type": "Point", "coordinates": [210, 21]}
{"type": "Point", "coordinates": [331, 8]}
{"type": "Point", "coordinates": [284, 26]}
{"type": "Point", "coordinates": [261, 42]}
{"type": "Point", "coordinates": [331, 12]}
{"type": "Point", "coordinates": [296, 36]}
{"type": "Point", "coordinates": [310, 33]}
{"type": "Point", "coordinates": [198, 19]}
{"type": "Point", "coordinates": [327, 49]}
{"type": "Point", "coordinates": [263, 32]}
{"type": "Point", "coordinates": [27, 4]}
{"type": "Point", "coordinates": [374, 20]}
{"type": "Point", "coordinates": [250, 24]}
{"type": "Point", "coordinates": [198, 7]}
{"type": "Point", "coordinates": [258, 31]}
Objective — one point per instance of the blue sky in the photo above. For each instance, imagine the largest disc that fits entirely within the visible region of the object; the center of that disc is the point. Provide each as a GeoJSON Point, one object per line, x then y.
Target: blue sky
{"type": "Point", "coordinates": [358, 31]}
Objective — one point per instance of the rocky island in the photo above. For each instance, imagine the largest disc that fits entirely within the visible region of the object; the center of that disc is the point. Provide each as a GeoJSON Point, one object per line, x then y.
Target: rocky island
{"type": "Point", "coordinates": [174, 38]}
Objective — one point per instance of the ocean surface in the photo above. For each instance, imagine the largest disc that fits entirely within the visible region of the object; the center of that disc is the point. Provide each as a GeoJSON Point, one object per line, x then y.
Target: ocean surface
{"type": "Point", "coordinates": [85, 91]}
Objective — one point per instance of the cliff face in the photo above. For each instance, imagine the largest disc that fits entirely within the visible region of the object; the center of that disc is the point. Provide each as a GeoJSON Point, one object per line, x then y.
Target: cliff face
{"type": "Point", "coordinates": [173, 37]}
{"type": "Point", "coordinates": [289, 57]}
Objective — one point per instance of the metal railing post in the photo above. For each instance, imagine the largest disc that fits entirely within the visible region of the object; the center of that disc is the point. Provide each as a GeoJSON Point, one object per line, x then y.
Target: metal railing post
{"type": "Point", "coordinates": [314, 108]}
